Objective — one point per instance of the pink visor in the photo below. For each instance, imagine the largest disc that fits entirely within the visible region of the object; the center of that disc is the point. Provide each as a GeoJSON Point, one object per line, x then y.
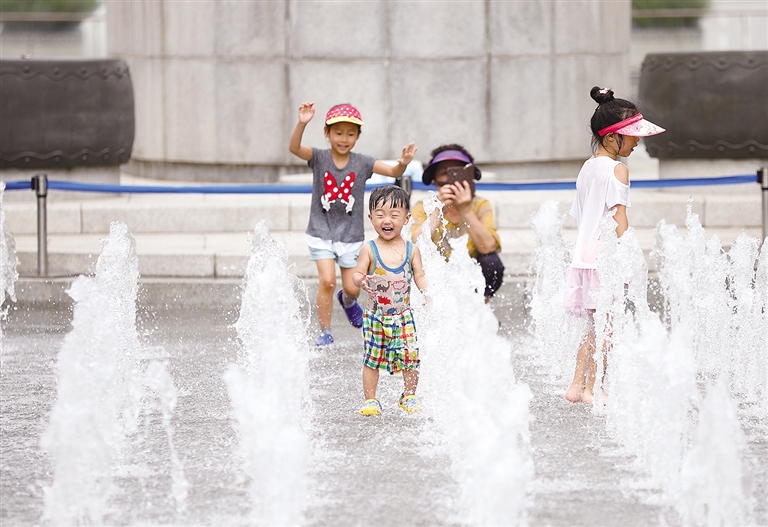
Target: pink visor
{"type": "Point", "coordinates": [635, 126]}
{"type": "Point", "coordinates": [456, 155]}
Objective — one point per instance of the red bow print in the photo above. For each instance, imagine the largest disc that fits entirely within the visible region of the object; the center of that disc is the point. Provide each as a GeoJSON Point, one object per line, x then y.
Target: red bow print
{"type": "Point", "coordinates": [342, 192]}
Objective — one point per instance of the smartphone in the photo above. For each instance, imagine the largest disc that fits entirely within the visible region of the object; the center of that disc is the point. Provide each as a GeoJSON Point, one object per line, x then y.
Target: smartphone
{"type": "Point", "coordinates": [465, 173]}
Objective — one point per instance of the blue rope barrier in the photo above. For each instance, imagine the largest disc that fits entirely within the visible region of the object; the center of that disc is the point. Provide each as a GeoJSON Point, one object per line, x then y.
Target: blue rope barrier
{"type": "Point", "coordinates": [571, 185]}
{"type": "Point", "coordinates": [697, 182]}
{"type": "Point", "coordinates": [204, 189]}
{"type": "Point", "coordinates": [479, 185]}
{"type": "Point", "coordinates": [417, 185]}
{"type": "Point", "coordinates": [18, 185]}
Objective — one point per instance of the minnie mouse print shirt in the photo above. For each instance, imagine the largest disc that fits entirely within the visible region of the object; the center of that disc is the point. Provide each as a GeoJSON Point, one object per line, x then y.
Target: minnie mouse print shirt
{"type": "Point", "coordinates": [338, 197]}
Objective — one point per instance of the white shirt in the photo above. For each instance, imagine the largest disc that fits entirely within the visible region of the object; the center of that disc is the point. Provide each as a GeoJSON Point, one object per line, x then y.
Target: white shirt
{"type": "Point", "coordinates": [597, 191]}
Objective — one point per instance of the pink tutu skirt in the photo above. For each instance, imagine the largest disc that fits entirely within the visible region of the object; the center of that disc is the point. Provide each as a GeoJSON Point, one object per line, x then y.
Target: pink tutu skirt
{"type": "Point", "coordinates": [581, 289]}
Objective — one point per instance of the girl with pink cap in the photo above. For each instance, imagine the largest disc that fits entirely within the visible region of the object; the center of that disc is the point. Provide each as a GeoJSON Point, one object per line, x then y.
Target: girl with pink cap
{"type": "Point", "coordinates": [335, 230]}
{"type": "Point", "coordinates": [602, 186]}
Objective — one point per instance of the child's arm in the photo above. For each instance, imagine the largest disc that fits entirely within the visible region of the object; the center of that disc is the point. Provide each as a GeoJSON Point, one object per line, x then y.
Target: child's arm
{"type": "Point", "coordinates": [360, 275]}
{"type": "Point", "coordinates": [380, 167]}
{"type": "Point", "coordinates": [418, 270]}
{"type": "Point", "coordinates": [306, 112]}
{"type": "Point", "coordinates": [620, 217]}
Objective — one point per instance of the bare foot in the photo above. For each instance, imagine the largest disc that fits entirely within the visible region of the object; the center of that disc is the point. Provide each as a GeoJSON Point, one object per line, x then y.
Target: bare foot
{"type": "Point", "coordinates": [575, 393]}
{"type": "Point", "coordinates": [603, 396]}
{"type": "Point", "coordinates": [588, 396]}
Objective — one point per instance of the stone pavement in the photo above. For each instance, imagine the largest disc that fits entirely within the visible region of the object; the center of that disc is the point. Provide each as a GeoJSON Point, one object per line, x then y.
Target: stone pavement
{"type": "Point", "coordinates": [208, 236]}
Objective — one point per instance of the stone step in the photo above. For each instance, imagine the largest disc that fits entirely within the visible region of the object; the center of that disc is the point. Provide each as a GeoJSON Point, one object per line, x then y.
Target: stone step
{"type": "Point", "coordinates": [188, 213]}
{"type": "Point", "coordinates": [220, 255]}
{"type": "Point", "coordinates": [207, 235]}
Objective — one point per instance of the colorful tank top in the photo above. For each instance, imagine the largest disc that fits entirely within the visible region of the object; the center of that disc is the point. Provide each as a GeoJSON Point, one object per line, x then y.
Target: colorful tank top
{"type": "Point", "coordinates": [392, 286]}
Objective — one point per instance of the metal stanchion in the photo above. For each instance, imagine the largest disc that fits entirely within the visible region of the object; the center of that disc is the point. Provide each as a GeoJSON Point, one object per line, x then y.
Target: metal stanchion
{"type": "Point", "coordinates": [40, 186]}
{"type": "Point", "coordinates": [405, 182]}
{"type": "Point", "coordinates": [762, 177]}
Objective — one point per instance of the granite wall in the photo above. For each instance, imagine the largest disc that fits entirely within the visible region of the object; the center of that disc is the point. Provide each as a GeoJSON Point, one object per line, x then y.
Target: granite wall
{"type": "Point", "coordinates": [218, 84]}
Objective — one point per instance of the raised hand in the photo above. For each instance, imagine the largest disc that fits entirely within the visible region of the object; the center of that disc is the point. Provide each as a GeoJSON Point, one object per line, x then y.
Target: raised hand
{"type": "Point", "coordinates": [306, 112]}
{"type": "Point", "coordinates": [462, 196]}
{"type": "Point", "coordinates": [408, 153]}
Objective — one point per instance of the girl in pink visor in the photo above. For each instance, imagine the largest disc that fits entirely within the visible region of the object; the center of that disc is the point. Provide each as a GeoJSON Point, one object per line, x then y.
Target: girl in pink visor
{"type": "Point", "coordinates": [602, 186]}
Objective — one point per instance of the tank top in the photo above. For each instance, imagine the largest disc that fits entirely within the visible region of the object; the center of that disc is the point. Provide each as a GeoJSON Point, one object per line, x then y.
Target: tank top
{"type": "Point", "coordinates": [392, 286]}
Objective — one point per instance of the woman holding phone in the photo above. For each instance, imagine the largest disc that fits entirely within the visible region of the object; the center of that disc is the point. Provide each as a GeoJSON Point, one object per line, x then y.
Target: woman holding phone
{"type": "Point", "coordinates": [452, 171]}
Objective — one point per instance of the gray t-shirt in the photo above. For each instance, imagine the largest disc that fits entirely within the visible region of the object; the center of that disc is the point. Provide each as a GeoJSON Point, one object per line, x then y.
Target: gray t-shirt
{"type": "Point", "coordinates": [338, 197]}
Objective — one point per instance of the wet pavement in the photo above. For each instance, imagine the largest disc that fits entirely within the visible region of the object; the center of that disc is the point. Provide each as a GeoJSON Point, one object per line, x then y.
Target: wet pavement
{"type": "Point", "coordinates": [389, 470]}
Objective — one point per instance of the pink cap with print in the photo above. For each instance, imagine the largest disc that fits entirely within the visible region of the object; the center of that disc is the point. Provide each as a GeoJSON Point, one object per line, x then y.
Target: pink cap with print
{"type": "Point", "coordinates": [343, 113]}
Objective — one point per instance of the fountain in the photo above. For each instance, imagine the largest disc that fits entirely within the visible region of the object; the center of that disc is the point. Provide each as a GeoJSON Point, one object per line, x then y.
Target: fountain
{"type": "Point", "coordinates": [687, 385]}
{"type": "Point", "coordinates": [489, 449]}
{"type": "Point", "coordinates": [268, 387]}
{"type": "Point", "coordinates": [713, 489]}
{"type": "Point", "coordinates": [131, 413]}
{"type": "Point", "coordinates": [102, 393]}
{"type": "Point", "coordinates": [84, 434]}
{"type": "Point", "coordinates": [550, 326]}
{"type": "Point", "coordinates": [8, 262]}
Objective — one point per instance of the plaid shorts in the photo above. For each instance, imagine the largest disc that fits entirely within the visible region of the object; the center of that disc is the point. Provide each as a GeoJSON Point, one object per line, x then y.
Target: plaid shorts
{"type": "Point", "coordinates": [390, 341]}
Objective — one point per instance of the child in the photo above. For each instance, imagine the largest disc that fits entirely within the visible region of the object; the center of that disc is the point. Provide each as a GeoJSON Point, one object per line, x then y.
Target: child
{"type": "Point", "coordinates": [385, 269]}
{"type": "Point", "coordinates": [602, 186]}
{"type": "Point", "coordinates": [335, 230]}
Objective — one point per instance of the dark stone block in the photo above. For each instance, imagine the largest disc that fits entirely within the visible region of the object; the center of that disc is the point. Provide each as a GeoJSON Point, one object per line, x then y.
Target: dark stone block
{"type": "Point", "coordinates": [714, 105]}
{"type": "Point", "coordinates": [60, 113]}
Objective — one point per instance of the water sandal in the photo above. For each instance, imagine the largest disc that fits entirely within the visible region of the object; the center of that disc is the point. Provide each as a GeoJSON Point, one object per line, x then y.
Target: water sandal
{"type": "Point", "coordinates": [354, 312]}
{"type": "Point", "coordinates": [409, 404]}
{"type": "Point", "coordinates": [324, 339]}
{"type": "Point", "coordinates": [371, 407]}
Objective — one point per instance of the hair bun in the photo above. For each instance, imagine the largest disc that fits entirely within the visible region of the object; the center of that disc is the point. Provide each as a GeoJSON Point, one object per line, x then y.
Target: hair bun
{"type": "Point", "coordinates": [601, 95]}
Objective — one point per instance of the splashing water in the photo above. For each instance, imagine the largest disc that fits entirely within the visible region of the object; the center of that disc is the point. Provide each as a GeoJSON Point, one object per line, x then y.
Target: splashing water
{"type": "Point", "coordinates": [117, 275]}
{"type": "Point", "coordinates": [722, 298]}
{"type": "Point", "coordinates": [268, 385]}
{"type": "Point", "coordinates": [469, 378]}
{"type": "Point", "coordinates": [651, 382]}
{"type": "Point", "coordinates": [653, 377]}
{"type": "Point", "coordinates": [84, 432]}
{"type": "Point", "coordinates": [8, 263]}
{"type": "Point", "coordinates": [160, 381]}
{"type": "Point", "coordinates": [655, 408]}
{"type": "Point", "coordinates": [748, 325]}
{"type": "Point", "coordinates": [100, 391]}
{"type": "Point", "coordinates": [554, 331]}
{"type": "Point", "coordinates": [713, 490]}
{"type": "Point", "coordinates": [623, 281]}
{"type": "Point", "coordinates": [651, 374]}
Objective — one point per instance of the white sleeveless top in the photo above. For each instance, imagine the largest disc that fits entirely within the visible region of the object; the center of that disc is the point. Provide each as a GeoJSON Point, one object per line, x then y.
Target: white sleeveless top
{"type": "Point", "coordinates": [597, 192]}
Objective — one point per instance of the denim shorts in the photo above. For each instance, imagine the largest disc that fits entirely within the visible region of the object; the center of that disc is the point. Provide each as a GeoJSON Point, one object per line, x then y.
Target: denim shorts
{"type": "Point", "coordinates": [345, 260]}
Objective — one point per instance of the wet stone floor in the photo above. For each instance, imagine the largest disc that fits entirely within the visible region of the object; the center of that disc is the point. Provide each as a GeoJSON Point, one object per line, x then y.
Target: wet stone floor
{"type": "Point", "coordinates": [362, 471]}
